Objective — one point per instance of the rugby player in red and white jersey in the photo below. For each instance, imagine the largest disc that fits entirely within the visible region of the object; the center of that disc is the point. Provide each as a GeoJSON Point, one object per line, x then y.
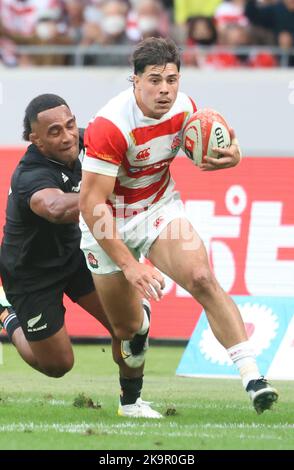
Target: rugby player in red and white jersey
{"type": "Point", "coordinates": [129, 207]}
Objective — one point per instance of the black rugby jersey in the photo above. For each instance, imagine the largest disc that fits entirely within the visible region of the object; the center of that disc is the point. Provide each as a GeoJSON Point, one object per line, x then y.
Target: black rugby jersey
{"type": "Point", "coordinates": [36, 253]}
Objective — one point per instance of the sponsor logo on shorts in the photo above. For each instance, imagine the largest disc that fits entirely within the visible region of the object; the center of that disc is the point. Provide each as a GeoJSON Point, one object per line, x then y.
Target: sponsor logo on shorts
{"type": "Point", "coordinates": [158, 221]}
{"type": "Point", "coordinates": [93, 262]}
{"type": "Point", "coordinates": [33, 321]}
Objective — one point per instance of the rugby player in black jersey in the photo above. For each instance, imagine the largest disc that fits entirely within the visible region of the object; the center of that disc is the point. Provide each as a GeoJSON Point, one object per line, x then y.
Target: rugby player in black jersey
{"type": "Point", "coordinates": [41, 258]}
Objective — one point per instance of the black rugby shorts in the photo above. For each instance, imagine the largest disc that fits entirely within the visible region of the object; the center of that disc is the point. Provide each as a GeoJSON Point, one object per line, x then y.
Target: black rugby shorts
{"type": "Point", "coordinates": [41, 313]}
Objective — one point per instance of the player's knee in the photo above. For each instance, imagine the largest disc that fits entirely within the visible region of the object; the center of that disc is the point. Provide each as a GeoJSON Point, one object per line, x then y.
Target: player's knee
{"type": "Point", "coordinates": [60, 369]}
{"type": "Point", "coordinates": [123, 332]}
{"type": "Point", "coordinates": [201, 282]}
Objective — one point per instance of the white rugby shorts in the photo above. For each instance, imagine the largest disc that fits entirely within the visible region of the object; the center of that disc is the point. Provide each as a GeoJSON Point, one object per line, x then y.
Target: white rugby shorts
{"type": "Point", "coordinates": [138, 233]}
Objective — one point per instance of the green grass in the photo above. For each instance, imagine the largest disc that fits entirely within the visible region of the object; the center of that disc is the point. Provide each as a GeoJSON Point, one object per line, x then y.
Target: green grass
{"type": "Point", "coordinates": [37, 412]}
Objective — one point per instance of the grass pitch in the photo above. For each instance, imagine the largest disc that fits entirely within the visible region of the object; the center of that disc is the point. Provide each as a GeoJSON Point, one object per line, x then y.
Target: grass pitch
{"type": "Point", "coordinates": [37, 412]}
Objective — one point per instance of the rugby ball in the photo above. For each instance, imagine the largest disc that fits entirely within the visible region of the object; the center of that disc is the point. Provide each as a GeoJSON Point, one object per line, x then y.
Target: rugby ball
{"type": "Point", "coordinates": [204, 130]}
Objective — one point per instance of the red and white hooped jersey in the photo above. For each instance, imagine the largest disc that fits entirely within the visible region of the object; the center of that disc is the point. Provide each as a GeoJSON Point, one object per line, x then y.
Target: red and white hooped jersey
{"type": "Point", "coordinates": [137, 150]}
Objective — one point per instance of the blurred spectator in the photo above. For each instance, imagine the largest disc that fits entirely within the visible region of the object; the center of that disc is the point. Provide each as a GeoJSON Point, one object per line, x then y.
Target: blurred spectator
{"type": "Point", "coordinates": [236, 36]}
{"type": "Point", "coordinates": [229, 12]}
{"type": "Point", "coordinates": [201, 30]}
{"type": "Point", "coordinates": [232, 35]}
{"type": "Point", "coordinates": [233, 12]}
{"type": "Point", "coordinates": [148, 18]}
{"type": "Point", "coordinates": [228, 52]}
{"type": "Point", "coordinates": [113, 22]}
{"type": "Point", "coordinates": [92, 30]}
{"type": "Point", "coordinates": [50, 30]}
{"type": "Point", "coordinates": [184, 9]}
{"type": "Point", "coordinates": [168, 4]}
{"type": "Point", "coordinates": [73, 18]}
{"type": "Point", "coordinates": [105, 22]}
{"type": "Point", "coordinates": [109, 29]}
{"type": "Point", "coordinates": [19, 20]}
{"type": "Point", "coordinates": [279, 17]}
{"type": "Point", "coordinates": [8, 53]}
{"type": "Point", "coordinates": [47, 26]}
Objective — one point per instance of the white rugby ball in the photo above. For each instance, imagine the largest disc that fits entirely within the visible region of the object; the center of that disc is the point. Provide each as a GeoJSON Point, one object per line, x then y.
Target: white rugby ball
{"type": "Point", "coordinates": [205, 129]}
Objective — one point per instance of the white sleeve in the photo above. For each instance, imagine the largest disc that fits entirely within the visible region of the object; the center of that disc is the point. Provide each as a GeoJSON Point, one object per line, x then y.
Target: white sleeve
{"type": "Point", "coordinates": [99, 166]}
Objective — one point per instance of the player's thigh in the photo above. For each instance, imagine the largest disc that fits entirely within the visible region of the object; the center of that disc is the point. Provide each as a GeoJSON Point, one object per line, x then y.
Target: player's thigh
{"type": "Point", "coordinates": [41, 315]}
{"type": "Point", "coordinates": [54, 354]}
{"type": "Point", "coordinates": [91, 303]}
{"type": "Point", "coordinates": [179, 252]}
{"type": "Point", "coordinates": [120, 300]}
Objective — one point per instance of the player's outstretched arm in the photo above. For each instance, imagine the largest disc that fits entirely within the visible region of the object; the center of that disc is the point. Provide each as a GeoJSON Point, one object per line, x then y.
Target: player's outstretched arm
{"type": "Point", "coordinates": [227, 158]}
{"type": "Point", "coordinates": [95, 191]}
{"type": "Point", "coordinates": [56, 206]}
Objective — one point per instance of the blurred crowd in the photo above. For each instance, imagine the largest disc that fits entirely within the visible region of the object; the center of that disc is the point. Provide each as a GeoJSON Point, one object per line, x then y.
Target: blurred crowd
{"type": "Point", "coordinates": [233, 30]}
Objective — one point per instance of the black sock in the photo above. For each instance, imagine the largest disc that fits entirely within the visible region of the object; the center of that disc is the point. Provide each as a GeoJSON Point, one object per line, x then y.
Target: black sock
{"type": "Point", "coordinates": [10, 324]}
{"type": "Point", "coordinates": [130, 389]}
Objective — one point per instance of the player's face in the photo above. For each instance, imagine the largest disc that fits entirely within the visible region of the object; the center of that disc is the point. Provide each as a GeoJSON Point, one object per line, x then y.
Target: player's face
{"type": "Point", "coordinates": [156, 89]}
{"type": "Point", "coordinates": [56, 134]}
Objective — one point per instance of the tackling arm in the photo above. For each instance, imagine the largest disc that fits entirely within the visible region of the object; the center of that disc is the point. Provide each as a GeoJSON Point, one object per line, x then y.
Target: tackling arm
{"type": "Point", "coordinates": [56, 206]}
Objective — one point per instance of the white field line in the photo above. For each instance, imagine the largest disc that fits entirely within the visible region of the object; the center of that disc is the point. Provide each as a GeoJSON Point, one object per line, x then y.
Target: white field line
{"type": "Point", "coordinates": [122, 429]}
{"type": "Point", "coordinates": [140, 428]}
{"type": "Point", "coordinates": [207, 406]}
{"type": "Point", "coordinates": [37, 401]}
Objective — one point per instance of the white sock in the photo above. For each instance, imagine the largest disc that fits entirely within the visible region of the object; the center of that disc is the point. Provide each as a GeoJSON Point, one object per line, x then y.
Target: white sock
{"type": "Point", "coordinates": [243, 357]}
{"type": "Point", "coordinates": [145, 324]}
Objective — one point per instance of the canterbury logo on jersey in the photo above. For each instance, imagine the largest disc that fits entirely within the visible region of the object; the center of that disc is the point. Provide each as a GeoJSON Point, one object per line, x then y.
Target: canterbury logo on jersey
{"type": "Point", "coordinates": [143, 154]}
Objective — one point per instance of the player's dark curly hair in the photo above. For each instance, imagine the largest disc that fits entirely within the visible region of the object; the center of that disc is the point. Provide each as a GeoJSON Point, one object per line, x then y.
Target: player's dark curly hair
{"type": "Point", "coordinates": [36, 106]}
{"type": "Point", "coordinates": [155, 51]}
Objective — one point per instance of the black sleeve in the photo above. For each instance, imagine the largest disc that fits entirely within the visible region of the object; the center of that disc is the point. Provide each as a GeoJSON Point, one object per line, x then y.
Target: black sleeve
{"type": "Point", "coordinates": [29, 182]}
{"type": "Point", "coordinates": [261, 15]}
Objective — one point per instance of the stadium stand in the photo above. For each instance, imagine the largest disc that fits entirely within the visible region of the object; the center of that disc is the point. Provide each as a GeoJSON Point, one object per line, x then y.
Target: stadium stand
{"type": "Point", "coordinates": [215, 34]}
